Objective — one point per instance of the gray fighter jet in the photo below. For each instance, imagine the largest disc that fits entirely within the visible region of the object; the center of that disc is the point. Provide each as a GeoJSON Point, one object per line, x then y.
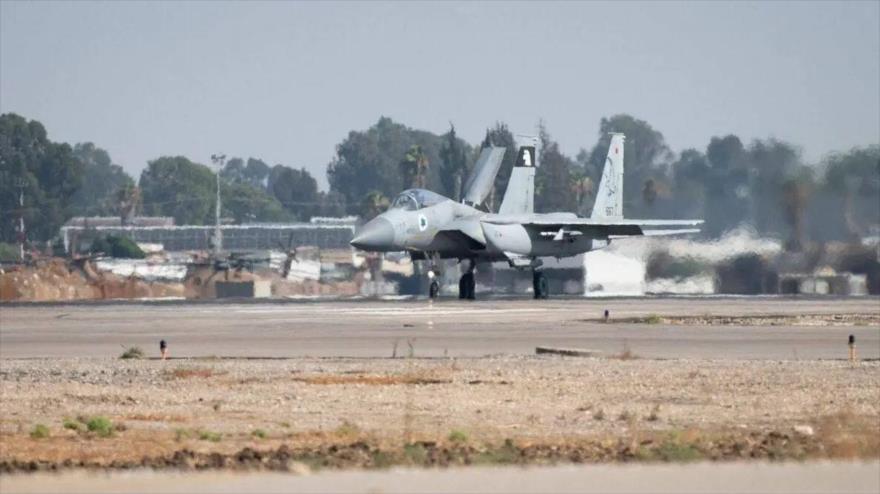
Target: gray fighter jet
{"type": "Point", "coordinates": [430, 226]}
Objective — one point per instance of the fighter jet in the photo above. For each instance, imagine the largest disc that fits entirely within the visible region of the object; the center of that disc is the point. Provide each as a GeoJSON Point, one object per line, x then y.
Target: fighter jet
{"type": "Point", "coordinates": [431, 227]}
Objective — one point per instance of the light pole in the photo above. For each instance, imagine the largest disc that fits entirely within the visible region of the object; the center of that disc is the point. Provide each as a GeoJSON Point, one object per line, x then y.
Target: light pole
{"type": "Point", "coordinates": [219, 160]}
{"type": "Point", "coordinates": [21, 184]}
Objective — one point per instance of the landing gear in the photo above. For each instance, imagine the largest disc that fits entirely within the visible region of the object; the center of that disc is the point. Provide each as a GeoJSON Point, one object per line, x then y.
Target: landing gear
{"type": "Point", "coordinates": [539, 284]}
{"type": "Point", "coordinates": [434, 275]}
{"type": "Point", "coordinates": [467, 284]}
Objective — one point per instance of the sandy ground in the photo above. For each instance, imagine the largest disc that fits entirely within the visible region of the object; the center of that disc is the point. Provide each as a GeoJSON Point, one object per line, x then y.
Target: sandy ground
{"type": "Point", "coordinates": [739, 328]}
{"type": "Point", "coordinates": [697, 478]}
{"type": "Point", "coordinates": [219, 405]}
{"type": "Point", "coordinates": [675, 380]}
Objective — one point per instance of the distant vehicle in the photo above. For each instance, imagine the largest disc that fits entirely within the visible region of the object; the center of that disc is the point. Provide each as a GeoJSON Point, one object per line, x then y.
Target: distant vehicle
{"type": "Point", "coordinates": [430, 226]}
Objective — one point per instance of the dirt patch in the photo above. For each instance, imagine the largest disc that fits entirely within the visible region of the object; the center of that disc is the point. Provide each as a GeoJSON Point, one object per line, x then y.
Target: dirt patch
{"type": "Point", "coordinates": [370, 379]}
{"type": "Point", "coordinates": [871, 319]}
{"type": "Point", "coordinates": [192, 372]}
{"type": "Point", "coordinates": [364, 453]}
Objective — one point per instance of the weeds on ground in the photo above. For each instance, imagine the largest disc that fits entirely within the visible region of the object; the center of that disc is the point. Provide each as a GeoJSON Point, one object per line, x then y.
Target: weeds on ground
{"type": "Point", "coordinates": [181, 434]}
{"type": "Point", "coordinates": [100, 426]}
{"type": "Point", "coordinates": [39, 431]}
{"type": "Point", "coordinates": [652, 319]}
{"type": "Point", "coordinates": [214, 437]}
{"type": "Point", "coordinates": [132, 352]}
{"type": "Point", "coordinates": [259, 433]}
{"type": "Point", "coordinates": [73, 425]}
{"type": "Point", "coordinates": [599, 414]}
{"type": "Point", "coordinates": [347, 429]}
{"type": "Point", "coordinates": [457, 436]}
{"type": "Point", "coordinates": [191, 372]}
{"type": "Point", "coordinates": [654, 415]}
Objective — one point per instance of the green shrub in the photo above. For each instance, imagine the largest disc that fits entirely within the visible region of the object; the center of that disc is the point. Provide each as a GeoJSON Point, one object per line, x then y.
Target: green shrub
{"type": "Point", "coordinates": [458, 436]}
{"type": "Point", "coordinates": [40, 431]}
{"type": "Point", "coordinates": [259, 433]}
{"type": "Point", "coordinates": [72, 425]}
{"type": "Point", "coordinates": [134, 352]}
{"type": "Point", "coordinates": [120, 247]}
{"type": "Point", "coordinates": [100, 426]}
{"type": "Point", "coordinates": [8, 252]}
{"type": "Point", "coordinates": [214, 437]}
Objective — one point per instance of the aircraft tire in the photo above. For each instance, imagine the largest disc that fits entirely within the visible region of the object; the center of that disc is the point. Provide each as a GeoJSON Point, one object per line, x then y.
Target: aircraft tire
{"type": "Point", "coordinates": [539, 285]}
{"type": "Point", "coordinates": [434, 289]}
{"type": "Point", "coordinates": [467, 287]}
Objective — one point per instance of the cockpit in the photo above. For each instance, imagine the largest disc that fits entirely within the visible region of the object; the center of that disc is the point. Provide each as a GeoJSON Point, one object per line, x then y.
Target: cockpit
{"type": "Point", "coordinates": [413, 199]}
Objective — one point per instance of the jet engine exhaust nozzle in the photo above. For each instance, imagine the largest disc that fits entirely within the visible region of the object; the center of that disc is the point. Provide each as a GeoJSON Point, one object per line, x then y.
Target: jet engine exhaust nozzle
{"type": "Point", "coordinates": [376, 235]}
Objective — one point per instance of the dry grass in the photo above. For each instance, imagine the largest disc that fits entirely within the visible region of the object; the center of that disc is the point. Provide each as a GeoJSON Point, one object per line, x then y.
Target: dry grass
{"type": "Point", "coordinates": [847, 435]}
{"type": "Point", "coordinates": [192, 372]}
{"type": "Point", "coordinates": [371, 379]}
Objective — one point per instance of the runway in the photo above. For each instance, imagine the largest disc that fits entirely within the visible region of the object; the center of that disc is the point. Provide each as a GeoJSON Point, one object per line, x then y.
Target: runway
{"type": "Point", "coordinates": [435, 329]}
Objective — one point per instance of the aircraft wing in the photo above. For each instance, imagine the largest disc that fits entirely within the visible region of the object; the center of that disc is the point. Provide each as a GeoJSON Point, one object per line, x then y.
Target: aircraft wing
{"type": "Point", "coordinates": [560, 227]}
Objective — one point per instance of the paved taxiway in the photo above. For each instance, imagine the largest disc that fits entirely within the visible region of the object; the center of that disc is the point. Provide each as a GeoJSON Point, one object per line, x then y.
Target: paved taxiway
{"type": "Point", "coordinates": [681, 478]}
{"type": "Point", "coordinates": [445, 327]}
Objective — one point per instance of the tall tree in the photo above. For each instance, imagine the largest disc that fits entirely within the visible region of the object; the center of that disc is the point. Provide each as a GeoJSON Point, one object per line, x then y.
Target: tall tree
{"type": "Point", "coordinates": [454, 164]}
{"type": "Point", "coordinates": [414, 168]}
{"type": "Point", "coordinates": [102, 180]}
{"type": "Point", "coordinates": [645, 153]}
{"type": "Point", "coordinates": [48, 173]}
{"type": "Point", "coordinates": [296, 190]}
{"type": "Point", "coordinates": [369, 160]}
{"type": "Point", "coordinates": [175, 186]}
{"type": "Point", "coordinates": [555, 188]}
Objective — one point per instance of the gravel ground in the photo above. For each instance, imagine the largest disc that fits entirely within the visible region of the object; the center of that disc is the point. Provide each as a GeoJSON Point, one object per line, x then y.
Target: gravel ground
{"type": "Point", "coordinates": [210, 405]}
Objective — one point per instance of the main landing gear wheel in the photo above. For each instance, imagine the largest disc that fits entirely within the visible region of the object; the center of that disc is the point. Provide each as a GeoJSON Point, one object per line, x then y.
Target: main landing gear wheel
{"type": "Point", "coordinates": [467, 287]}
{"type": "Point", "coordinates": [434, 289]}
{"type": "Point", "coordinates": [539, 284]}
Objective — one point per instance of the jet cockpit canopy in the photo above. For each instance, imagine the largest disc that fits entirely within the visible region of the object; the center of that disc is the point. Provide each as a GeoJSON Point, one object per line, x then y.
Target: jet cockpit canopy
{"type": "Point", "coordinates": [413, 199]}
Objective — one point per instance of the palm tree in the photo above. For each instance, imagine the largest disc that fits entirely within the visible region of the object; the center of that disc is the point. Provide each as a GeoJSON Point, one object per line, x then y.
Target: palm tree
{"type": "Point", "coordinates": [414, 168]}
{"type": "Point", "coordinates": [127, 202]}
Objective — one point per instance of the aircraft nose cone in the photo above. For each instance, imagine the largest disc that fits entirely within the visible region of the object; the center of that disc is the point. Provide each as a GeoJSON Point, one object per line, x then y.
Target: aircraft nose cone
{"type": "Point", "coordinates": [377, 234]}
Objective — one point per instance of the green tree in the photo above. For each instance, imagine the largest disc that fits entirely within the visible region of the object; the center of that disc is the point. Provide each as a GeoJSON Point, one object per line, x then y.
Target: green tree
{"type": "Point", "coordinates": [369, 161]}
{"type": "Point", "coordinates": [296, 190]}
{"type": "Point", "coordinates": [102, 179]}
{"type": "Point", "coordinates": [175, 186]}
{"type": "Point", "coordinates": [49, 174]}
{"type": "Point", "coordinates": [414, 168]}
{"type": "Point", "coordinates": [646, 155]}
{"type": "Point", "coordinates": [454, 164]}
{"type": "Point", "coordinates": [248, 204]}
{"type": "Point", "coordinates": [555, 182]}
{"type": "Point", "coordinates": [373, 204]}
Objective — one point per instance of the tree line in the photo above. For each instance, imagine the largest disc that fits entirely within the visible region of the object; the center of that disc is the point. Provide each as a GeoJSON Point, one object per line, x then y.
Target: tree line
{"type": "Point", "coordinates": [765, 183]}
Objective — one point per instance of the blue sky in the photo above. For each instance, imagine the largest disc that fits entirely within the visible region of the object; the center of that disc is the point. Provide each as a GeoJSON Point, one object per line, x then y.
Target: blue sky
{"type": "Point", "coordinates": [286, 81]}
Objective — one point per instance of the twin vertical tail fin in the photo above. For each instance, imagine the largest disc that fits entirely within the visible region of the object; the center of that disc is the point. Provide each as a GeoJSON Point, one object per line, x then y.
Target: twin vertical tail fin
{"type": "Point", "coordinates": [609, 195]}
{"type": "Point", "coordinates": [519, 197]}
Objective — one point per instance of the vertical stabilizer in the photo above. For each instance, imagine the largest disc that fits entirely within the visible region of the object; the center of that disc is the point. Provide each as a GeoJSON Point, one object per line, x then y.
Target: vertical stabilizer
{"type": "Point", "coordinates": [519, 197]}
{"type": "Point", "coordinates": [609, 195]}
{"type": "Point", "coordinates": [482, 178]}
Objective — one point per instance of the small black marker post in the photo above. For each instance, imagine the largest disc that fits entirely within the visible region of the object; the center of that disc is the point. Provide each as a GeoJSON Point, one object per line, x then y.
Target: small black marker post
{"type": "Point", "coordinates": [852, 349]}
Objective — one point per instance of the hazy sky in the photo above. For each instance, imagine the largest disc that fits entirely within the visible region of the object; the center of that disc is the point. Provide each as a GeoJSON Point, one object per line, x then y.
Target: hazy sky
{"type": "Point", "coordinates": [286, 81]}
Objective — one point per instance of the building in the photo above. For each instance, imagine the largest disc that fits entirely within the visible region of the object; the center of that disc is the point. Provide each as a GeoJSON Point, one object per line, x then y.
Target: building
{"type": "Point", "coordinates": [78, 234]}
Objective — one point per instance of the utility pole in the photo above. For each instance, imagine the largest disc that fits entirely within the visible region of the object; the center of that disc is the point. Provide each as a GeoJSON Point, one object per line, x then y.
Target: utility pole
{"type": "Point", "coordinates": [21, 184]}
{"type": "Point", "coordinates": [219, 160]}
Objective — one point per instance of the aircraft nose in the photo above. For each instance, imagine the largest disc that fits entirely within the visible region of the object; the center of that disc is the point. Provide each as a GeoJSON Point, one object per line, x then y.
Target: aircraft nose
{"type": "Point", "coordinates": [377, 234]}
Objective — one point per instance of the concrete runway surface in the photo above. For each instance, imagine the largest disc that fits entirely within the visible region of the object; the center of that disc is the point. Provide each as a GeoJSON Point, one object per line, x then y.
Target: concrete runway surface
{"type": "Point", "coordinates": [852, 477]}
{"type": "Point", "coordinates": [452, 328]}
